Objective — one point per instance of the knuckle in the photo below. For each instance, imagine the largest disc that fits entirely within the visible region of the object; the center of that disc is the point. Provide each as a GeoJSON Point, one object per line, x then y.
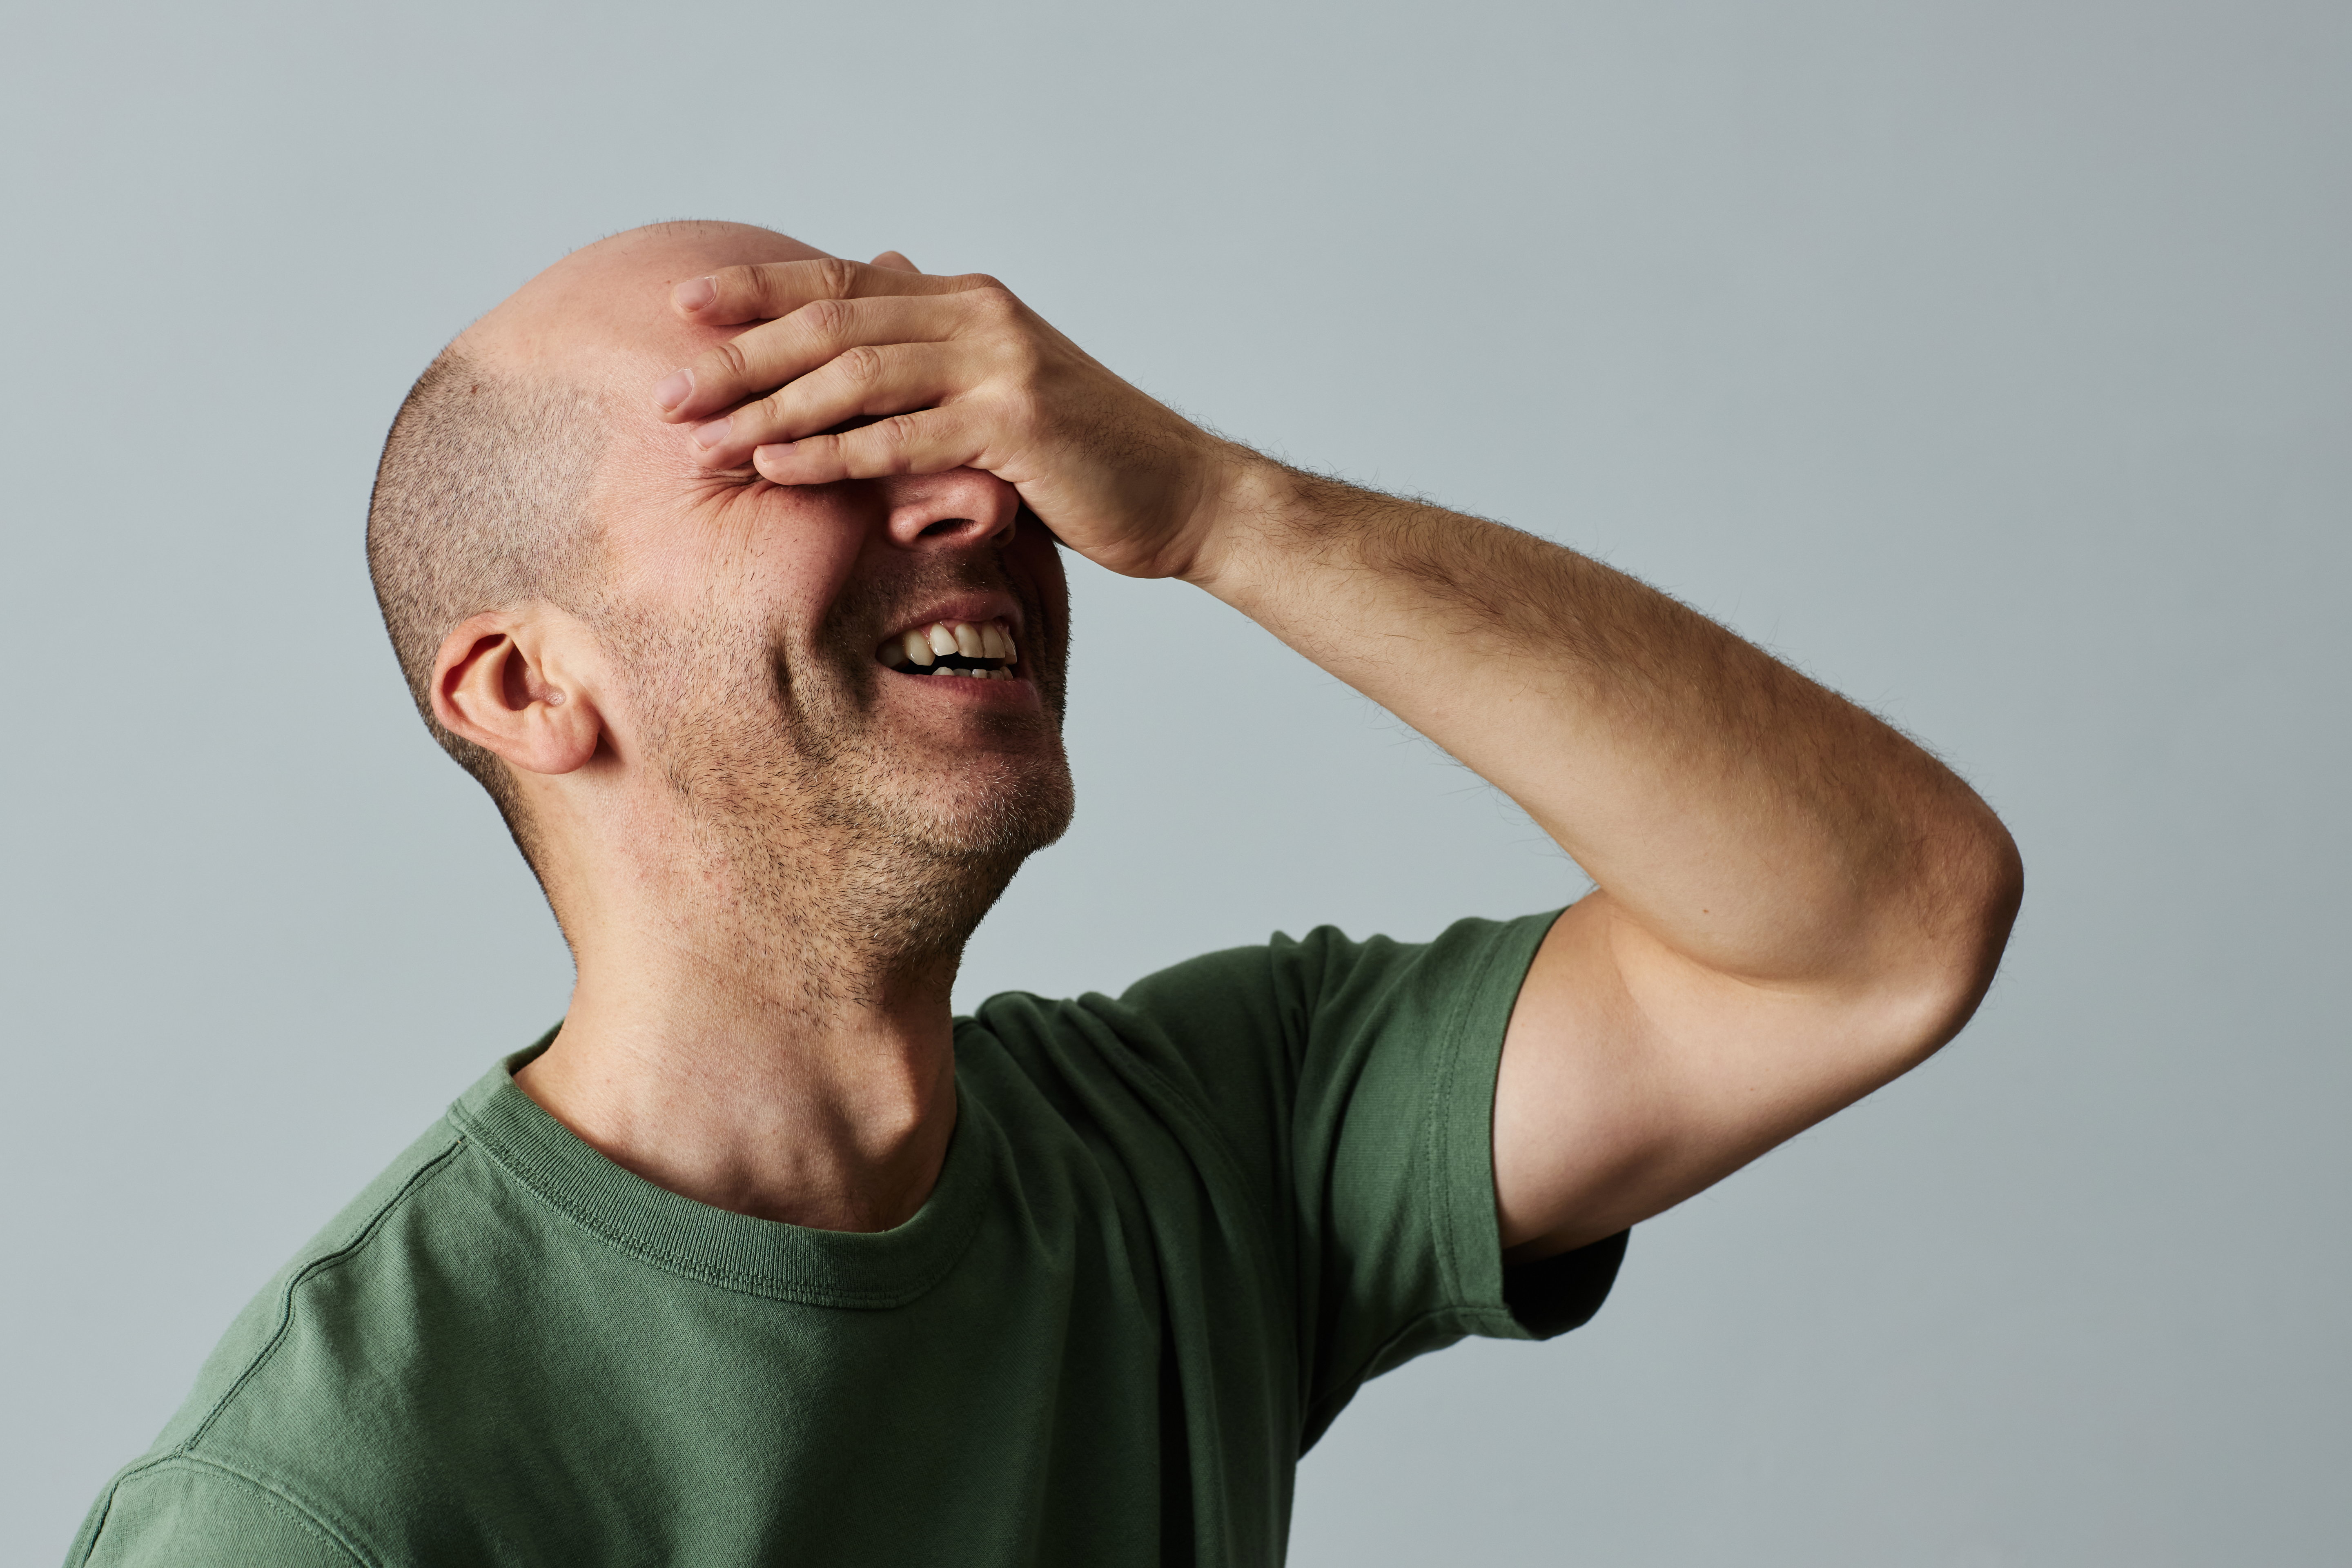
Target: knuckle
{"type": "Point", "coordinates": [895, 436]}
{"type": "Point", "coordinates": [827, 320]}
{"type": "Point", "coordinates": [861, 365]}
{"type": "Point", "coordinates": [729, 357]}
{"type": "Point", "coordinates": [1021, 354]}
{"type": "Point", "coordinates": [835, 275]}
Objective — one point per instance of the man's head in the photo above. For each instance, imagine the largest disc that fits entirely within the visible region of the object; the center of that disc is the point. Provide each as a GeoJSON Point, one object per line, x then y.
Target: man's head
{"type": "Point", "coordinates": [668, 678]}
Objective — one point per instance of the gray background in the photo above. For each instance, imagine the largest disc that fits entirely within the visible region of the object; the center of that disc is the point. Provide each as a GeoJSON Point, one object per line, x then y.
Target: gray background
{"type": "Point", "coordinates": [1989, 360]}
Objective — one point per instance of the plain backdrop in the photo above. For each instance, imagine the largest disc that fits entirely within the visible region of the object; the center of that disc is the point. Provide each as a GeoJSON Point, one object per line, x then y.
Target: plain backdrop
{"type": "Point", "coordinates": [1987, 361]}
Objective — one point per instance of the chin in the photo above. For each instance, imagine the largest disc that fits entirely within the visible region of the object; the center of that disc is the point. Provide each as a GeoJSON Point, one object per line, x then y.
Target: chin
{"type": "Point", "coordinates": [922, 868]}
{"type": "Point", "coordinates": [1003, 814]}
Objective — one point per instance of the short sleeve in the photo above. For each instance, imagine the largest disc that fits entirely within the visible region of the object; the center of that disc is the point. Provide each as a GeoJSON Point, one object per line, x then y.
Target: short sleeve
{"type": "Point", "coordinates": [1359, 1077]}
{"type": "Point", "coordinates": [189, 1513]}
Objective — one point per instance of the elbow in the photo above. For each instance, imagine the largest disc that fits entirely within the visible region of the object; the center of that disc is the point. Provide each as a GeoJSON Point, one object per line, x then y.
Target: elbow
{"type": "Point", "coordinates": [1970, 899]}
{"type": "Point", "coordinates": [1990, 895]}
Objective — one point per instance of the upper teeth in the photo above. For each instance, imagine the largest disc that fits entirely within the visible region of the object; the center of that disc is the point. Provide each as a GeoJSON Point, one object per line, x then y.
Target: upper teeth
{"type": "Point", "coordinates": [926, 645]}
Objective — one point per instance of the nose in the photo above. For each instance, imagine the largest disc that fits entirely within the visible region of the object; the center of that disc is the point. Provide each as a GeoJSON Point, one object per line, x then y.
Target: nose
{"type": "Point", "coordinates": [963, 507]}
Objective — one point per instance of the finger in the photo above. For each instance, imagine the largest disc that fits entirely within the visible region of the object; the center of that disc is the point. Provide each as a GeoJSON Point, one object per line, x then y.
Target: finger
{"type": "Point", "coordinates": [769, 355]}
{"type": "Point", "coordinates": [763, 291]}
{"type": "Point", "coordinates": [896, 261]}
{"type": "Point", "coordinates": [930, 442]}
{"type": "Point", "coordinates": [895, 378]}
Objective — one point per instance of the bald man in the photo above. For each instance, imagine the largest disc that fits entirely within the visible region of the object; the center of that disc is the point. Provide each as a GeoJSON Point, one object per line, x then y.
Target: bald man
{"type": "Point", "coordinates": [731, 571]}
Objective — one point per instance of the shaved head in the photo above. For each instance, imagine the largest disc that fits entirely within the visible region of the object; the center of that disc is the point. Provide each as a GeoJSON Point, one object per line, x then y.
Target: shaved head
{"type": "Point", "coordinates": [715, 637]}
{"type": "Point", "coordinates": [480, 503]}
{"type": "Point", "coordinates": [484, 497]}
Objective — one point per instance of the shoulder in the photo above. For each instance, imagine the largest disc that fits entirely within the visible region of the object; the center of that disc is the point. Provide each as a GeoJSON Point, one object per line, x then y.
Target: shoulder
{"type": "Point", "coordinates": [263, 1333]}
{"type": "Point", "coordinates": [238, 1471]}
{"type": "Point", "coordinates": [1328, 995]}
{"type": "Point", "coordinates": [1232, 1047]}
{"type": "Point", "coordinates": [356, 1385]}
{"type": "Point", "coordinates": [1278, 989]}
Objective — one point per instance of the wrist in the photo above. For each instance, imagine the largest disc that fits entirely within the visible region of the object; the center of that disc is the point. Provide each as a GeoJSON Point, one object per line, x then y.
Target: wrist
{"type": "Point", "coordinates": [1244, 496]}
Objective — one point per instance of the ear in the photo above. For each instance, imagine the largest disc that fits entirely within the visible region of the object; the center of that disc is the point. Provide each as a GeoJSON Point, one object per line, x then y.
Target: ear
{"type": "Point", "coordinates": [895, 262]}
{"type": "Point", "coordinates": [500, 681]}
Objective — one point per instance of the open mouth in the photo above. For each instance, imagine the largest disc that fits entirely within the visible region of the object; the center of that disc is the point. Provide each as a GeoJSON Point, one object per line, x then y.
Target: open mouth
{"type": "Point", "coordinates": [980, 650]}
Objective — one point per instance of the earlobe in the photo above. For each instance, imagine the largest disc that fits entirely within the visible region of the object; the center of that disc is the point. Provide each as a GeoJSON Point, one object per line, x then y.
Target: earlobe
{"type": "Point", "coordinates": [500, 683]}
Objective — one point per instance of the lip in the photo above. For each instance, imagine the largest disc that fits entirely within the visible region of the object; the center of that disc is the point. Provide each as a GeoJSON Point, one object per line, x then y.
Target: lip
{"type": "Point", "coordinates": [976, 607]}
{"type": "Point", "coordinates": [1020, 690]}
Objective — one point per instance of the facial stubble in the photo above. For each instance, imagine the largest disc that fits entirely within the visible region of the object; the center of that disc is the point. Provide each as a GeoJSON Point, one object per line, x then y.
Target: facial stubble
{"type": "Point", "coordinates": [850, 850]}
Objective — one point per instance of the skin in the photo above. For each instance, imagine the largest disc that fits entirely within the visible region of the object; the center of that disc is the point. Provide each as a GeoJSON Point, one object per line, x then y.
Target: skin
{"type": "Point", "coordinates": [732, 1036]}
{"type": "Point", "coordinates": [1794, 905]}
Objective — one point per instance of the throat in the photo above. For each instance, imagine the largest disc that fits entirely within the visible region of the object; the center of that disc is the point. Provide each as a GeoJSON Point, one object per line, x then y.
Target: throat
{"type": "Point", "coordinates": [820, 1131]}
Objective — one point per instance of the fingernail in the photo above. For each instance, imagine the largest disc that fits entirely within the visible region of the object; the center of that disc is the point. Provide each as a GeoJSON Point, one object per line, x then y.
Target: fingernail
{"type": "Point", "coordinates": [711, 434]}
{"type": "Point", "coordinates": [695, 293]}
{"type": "Point", "coordinates": [674, 391]}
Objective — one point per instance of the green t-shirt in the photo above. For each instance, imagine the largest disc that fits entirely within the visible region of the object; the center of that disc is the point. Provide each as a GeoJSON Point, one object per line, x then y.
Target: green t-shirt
{"type": "Point", "coordinates": [1172, 1235]}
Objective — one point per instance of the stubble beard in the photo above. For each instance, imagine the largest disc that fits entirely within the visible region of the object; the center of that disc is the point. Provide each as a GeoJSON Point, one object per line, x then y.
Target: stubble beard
{"type": "Point", "coordinates": [842, 855]}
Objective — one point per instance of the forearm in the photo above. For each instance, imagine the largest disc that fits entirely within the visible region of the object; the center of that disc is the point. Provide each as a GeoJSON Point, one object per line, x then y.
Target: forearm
{"type": "Point", "coordinates": [1747, 818]}
{"type": "Point", "coordinates": [1796, 902]}
{"type": "Point", "coordinates": [1741, 815]}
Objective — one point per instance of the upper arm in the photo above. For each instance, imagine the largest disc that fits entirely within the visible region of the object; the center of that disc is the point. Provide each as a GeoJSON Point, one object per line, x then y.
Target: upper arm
{"type": "Point", "coordinates": [1353, 1080]}
{"type": "Point", "coordinates": [1633, 1077]}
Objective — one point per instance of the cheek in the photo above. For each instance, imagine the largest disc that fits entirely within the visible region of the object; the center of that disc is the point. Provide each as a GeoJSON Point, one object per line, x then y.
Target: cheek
{"type": "Point", "coordinates": [1036, 562]}
{"type": "Point", "coordinates": [803, 566]}
{"type": "Point", "coordinates": [771, 558]}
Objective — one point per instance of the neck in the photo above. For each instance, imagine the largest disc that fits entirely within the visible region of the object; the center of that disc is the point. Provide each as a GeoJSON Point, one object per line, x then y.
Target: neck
{"type": "Point", "coordinates": [777, 1073]}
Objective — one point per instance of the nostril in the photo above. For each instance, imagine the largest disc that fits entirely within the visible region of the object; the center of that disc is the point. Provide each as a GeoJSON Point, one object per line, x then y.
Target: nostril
{"type": "Point", "coordinates": [945, 525]}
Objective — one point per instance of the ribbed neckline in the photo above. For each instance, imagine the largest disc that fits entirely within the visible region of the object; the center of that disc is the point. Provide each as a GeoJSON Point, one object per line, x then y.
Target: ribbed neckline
{"type": "Point", "coordinates": [738, 1252]}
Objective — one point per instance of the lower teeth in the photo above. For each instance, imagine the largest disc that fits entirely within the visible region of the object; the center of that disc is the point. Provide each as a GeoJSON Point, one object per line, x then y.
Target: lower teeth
{"type": "Point", "coordinates": [993, 672]}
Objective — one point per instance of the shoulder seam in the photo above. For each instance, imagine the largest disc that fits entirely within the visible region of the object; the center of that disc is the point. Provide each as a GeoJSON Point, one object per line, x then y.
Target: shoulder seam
{"type": "Point", "coordinates": [273, 1496]}
{"type": "Point", "coordinates": [314, 1267]}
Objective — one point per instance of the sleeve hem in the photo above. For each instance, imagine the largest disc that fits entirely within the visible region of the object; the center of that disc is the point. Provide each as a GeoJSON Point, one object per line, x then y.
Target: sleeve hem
{"type": "Point", "coordinates": [1461, 1131]}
